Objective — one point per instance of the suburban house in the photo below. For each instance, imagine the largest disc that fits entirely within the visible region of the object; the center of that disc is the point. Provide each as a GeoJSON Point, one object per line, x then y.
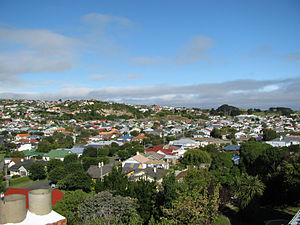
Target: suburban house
{"type": "Point", "coordinates": [284, 141]}
{"type": "Point", "coordinates": [146, 160]}
{"type": "Point", "coordinates": [56, 154]}
{"type": "Point", "coordinates": [21, 168]}
{"type": "Point", "coordinates": [185, 143]}
{"type": "Point", "coordinates": [150, 174]}
{"type": "Point", "coordinates": [98, 172]}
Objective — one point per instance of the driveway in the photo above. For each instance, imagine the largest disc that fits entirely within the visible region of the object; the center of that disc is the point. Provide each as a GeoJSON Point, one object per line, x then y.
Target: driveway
{"type": "Point", "coordinates": [44, 184]}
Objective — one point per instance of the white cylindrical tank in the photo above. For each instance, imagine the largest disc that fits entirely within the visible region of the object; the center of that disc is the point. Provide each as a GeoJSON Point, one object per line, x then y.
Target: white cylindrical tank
{"type": "Point", "coordinates": [13, 209]}
{"type": "Point", "coordinates": [40, 201]}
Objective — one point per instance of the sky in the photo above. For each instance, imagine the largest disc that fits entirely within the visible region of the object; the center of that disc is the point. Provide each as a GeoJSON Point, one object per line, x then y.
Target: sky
{"type": "Point", "coordinates": [164, 52]}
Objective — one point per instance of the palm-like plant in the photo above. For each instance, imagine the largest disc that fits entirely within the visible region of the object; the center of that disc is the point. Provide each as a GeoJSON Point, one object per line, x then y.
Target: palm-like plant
{"type": "Point", "coordinates": [247, 188]}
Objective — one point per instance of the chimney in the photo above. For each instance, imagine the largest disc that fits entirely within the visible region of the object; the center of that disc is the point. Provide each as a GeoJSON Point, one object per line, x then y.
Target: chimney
{"type": "Point", "coordinates": [99, 164]}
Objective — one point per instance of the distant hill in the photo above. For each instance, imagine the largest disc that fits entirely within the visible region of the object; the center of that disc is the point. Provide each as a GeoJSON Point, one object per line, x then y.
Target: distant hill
{"type": "Point", "coordinates": [227, 110]}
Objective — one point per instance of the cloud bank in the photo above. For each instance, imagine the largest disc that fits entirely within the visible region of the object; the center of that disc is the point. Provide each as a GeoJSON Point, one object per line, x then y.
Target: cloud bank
{"type": "Point", "coordinates": [241, 93]}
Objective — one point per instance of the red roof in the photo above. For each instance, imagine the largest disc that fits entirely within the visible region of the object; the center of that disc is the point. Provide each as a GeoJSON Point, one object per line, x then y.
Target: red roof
{"type": "Point", "coordinates": [56, 194]}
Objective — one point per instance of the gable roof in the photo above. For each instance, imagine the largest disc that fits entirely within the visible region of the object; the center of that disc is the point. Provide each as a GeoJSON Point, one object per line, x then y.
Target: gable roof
{"type": "Point", "coordinates": [57, 153]}
{"type": "Point", "coordinates": [140, 158]}
{"type": "Point", "coordinates": [26, 164]}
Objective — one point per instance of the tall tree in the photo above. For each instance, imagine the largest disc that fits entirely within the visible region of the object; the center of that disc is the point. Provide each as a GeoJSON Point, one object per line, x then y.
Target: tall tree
{"type": "Point", "coordinates": [37, 171]}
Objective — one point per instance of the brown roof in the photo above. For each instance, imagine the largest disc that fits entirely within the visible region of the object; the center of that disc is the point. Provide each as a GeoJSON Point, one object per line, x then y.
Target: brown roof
{"type": "Point", "coordinates": [140, 158]}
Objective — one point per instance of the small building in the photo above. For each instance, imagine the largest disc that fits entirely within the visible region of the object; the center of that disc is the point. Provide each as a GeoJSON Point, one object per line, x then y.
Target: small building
{"type": "Point", "coordinates": [56, 154]}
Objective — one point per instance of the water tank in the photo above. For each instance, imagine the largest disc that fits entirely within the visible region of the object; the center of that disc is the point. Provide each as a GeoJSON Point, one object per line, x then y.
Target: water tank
{"type": "Point", "coordinates": [13, 209]}
{"type": "Point", "coordinates": [40, 201]}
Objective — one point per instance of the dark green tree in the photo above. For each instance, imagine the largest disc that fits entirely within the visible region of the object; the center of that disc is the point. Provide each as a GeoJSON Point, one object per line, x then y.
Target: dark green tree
{"type": "Point", "coordinates": [104, 208]}
{"type": "Point", "coordinates": [68, 206]}
{"type": "Point", "coordinates": [269, 134]}
{"type": "Point", "coordinates": [77, 180]}
{"type": "Point", "coordinates": [37, 171]}
{"type": "Point", "coordinates": [53, 163]}
{"type": "Point", "coordinates": [71, 158]}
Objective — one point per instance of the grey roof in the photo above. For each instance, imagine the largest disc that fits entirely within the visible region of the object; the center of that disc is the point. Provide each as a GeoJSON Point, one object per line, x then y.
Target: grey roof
{"type": "Point", "coordinates": [153, 156]}
{"type": "Point", "coordinates": [231, 148]}
{"type": "Point", "coordinates": [183, 141]}
{"type": "Point", "coordinates": [77, 150]}
{"type": "Point", "coordinates": [286, 139]}
{"type": "Point", "coordinates": [95, 171]}
{"type": "Point", "coordinates": [26, 164]}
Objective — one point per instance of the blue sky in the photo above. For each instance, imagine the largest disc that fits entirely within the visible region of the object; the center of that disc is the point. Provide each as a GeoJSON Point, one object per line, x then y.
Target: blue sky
{"type": "Point", "coordinates": [182, 53]}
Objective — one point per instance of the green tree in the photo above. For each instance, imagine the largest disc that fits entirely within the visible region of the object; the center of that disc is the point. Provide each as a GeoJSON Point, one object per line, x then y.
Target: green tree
{"type": "Point", "coordinates": [108, 209]}
{"type": "Point", "coordinates": [216, 133]}
{"type": "Point", "coordinates": [247, 188]}
{"type": "Point", "coordinates": [78, 180]}
{"type": "Point", "coordinates": [44, 146]}
{"type": "Point", "coordinates": [90, 152]}
{"type": "Point", "coordinates": [196, 157]}
{"type": "Point", "coordinates": [169, 190]}
{"type": "Point", "coordinates": [104, 151]}
{"type": "Point", "coordinates": [57, 174]}
{"type": "Point", "coordinates": [250, 153]}
{"type": "Point", "coordinates": [115, 181]}
{"type": "Point", "coordinates": [53, 163]}
{"type": "Point", "coordinates": [71, 158]}
{"type": "Point", "coordinates": [37, 171]}
{"type": "Point", "coordinates": [68, 206]}
{"type": "Point", "coordinates": [194, 207]}
{"type": "Point", "coordinates": [269, 134]}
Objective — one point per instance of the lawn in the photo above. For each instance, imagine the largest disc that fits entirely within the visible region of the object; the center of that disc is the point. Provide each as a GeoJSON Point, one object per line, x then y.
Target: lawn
{"type": "Point", "coordinates": [1, 156]}
{"type": "Point", "coordinates": [19, 185]}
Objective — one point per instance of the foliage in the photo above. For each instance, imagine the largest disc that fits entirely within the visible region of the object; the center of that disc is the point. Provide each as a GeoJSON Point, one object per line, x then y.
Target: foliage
{"type": "Point", "coordinates": [71, 158]}
{"type": "Point", "coordinates": [76, 180]}
{"type": "Point", "coordinates": [68, 206]}
{"type": "Point", "coordinates": [269, 134]}
{"type": "Point", "coordinates": [216, 133]}
{"type": "Point", "coordinates": [198, 206]}
{"type": "Point", "coordinates": [146, 193]}
{"type": "Point", "coordinates": [227, 110]}
{"type": "Point", "coordinates": [104, 151]}
{"type": "Point", "coordinates": [37, 171]}
{"type": "Point", "coordinates": [57, 174]}
{"type": "Point", "coordinates": [247, 188]}
{"type": "Point", "coordinates": [169, 188]}
{"type": "Point", "coordinates": [90, 152]}
{"type": "Point", "coordinates": [250, 153]}
{"type": "Point", "coordinates": [111, 209]}
{"type": "Point", "coordinates": [116, 182]}
{"type": "Point", "coordinates": [286, 179]}
{"type": "Point", "coordinates": [196, 157]}
{"type": "Point", "coordinates": [18, 180]}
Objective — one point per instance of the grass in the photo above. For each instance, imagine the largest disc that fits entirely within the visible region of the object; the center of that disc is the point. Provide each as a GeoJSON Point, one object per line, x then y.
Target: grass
{"type": "Point", "coordinates": [261, 214]}
{"type": "Point", "coordinates": [1, 156]}
{"type": "Point", "coordinates": [25, 183]}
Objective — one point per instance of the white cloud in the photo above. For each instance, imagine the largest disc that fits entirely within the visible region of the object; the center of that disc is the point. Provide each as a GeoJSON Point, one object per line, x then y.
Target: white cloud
{"type": "Point", "coordinates": [35, 51]}
{"type": "Point", "coordinates": [240, 93]}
